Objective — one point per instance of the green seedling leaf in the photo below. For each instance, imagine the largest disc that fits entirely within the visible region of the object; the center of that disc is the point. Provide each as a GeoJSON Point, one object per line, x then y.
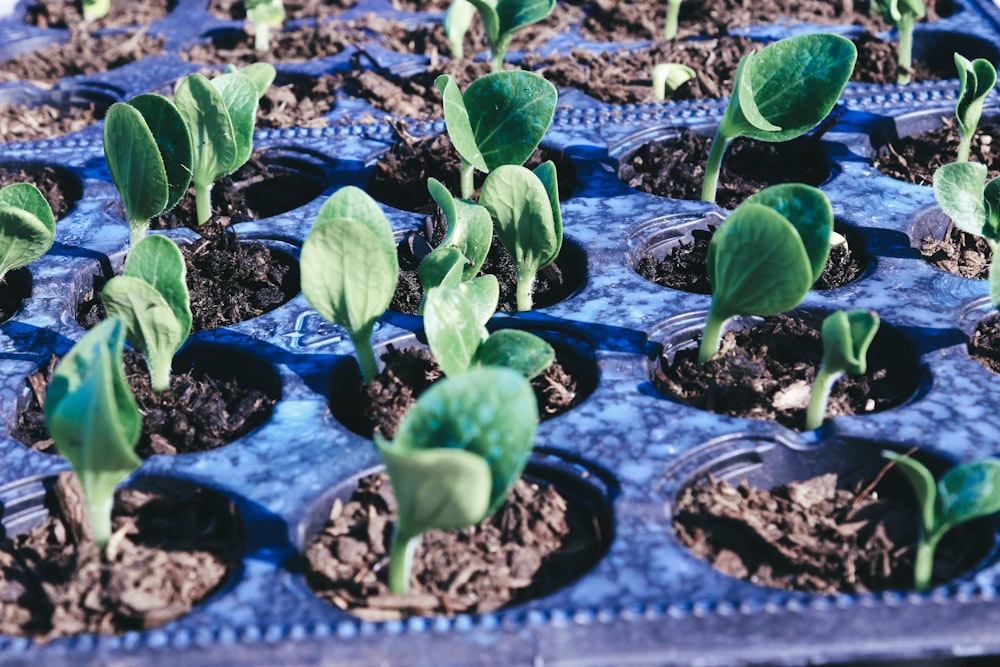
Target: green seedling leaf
{"type": "Point", "coordinates": [668, 77]}
{"type": "Point", "coordinates": [94, 420]}
{"type": "Point", "coordinates": [349, 268]}
{"type": "Point", "coordinates": [262, 75]}
{"type": "Point", "coordinates": [670, 25]}
{"type": "Point", "coordinates": [923, 484]}
{"type": "Point", "coordinates": [269, 12]}
{"type": "Point", "coordinates": [519, 350]}
{"type": "Point", "coordinates": [975, 81]}
{"type": "Point", "coordinates": [173, 141]}
{"type": "Point", "coordinates": [526, 220]}
{"type": "Point", "coordinates": [503, 18]}
{"type": "Point", "coordinates": [781, 92]}
{"type": "Point", "coordinates": [457, 20]}
{"type": "Point", "coordinates": [846, 338]}
{"type": "Point", "coordinates": [95, 9]}
{"type": "Point", "coordinates": [453, 332]}
{"type": "Point", "coordinates": [470, 228]}
{"type": "Point", "coordinates": [442, 267]}
{"type": "Point", "coordinates": [483, 295]}
{"type": "Point", "coordinates": [151, 298]}
{"type": "Point", "coordinates": [902, 14]}
{"type": "Point", "coordinates": [27, 226]}
{"type": "Point", "coordinates": [963, 194]}
{"type": "Point", "coordinates": [135, 165]}
{"type": "Point", "coordinates": [809, 211]}
{"type": "Point", "coordinates": [239, 93]}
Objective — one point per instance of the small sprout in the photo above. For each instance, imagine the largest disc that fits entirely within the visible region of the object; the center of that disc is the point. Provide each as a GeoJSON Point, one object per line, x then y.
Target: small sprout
{"type": "Point", "coordinates": [265, 14]}
{"type": "Point", "coordinates": [457, 20]}
{"type": "Point", "coordinates": [27, 226]}
{"type": "Point", "coordinates": [765, 256]}
{"type": "Point", "coordinates": [524, 205]}
{"type": "Point", "coordinates": [148, 150]}
{"type": "Point", "coordinates": [151, 298]}
{"type": "Point", "coordinates": [781, 92]}
{"type": "Point", "coordinates": [670, 27]}
{"type": "Point", "coordinates": [456, 456]}
{"type": "Point", "coordinates": [668, 77]}
{"type": "Point", "coordinates": [964, 493]}
{"type": "Point", "coordinates": [976, 79]}
{"type": "Point", "coordinates": [500, 119]}
{"type": "Point", "coordinates": [470, 227]}
{"type": "Point", "coordinates": [220, 115]}
{"type": "Point", "coordinates": [503, 18]}
{"type": "Point", "coordinates": [902, 14]}
{"type": "Point", "coordinates": [974, 206]}
{"type": "Point", "coordinates": [349, 268]}
{"type": "Point", "coordinates": [93, 418]}
{"type": "Point", "coordinates": [95, 9]}
{"type": "Point", "coordinates": [846, 338]}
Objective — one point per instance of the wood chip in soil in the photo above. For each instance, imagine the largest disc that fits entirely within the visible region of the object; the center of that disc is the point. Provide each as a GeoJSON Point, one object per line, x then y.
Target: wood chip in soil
{"type": "Point", "coordinates": [68, 15]}
{"type": "Point", "coordinates": [537, 542]}
{"type": "Point", "coordinates": [812, 536]}
{"type": "Point", "coordinates": [60, 188]}
{"type": "Point", "coordinates": [172, 546]}
{"type": "Point", "coordinates": [81, 54]}
{"type": "Point", "coordinates": [914, 159]}
{"type": "Point", "coordinates": [236, 10]}
{"type": "Point", "coordinates": [203, 408]}
{"type": "Point", "coordinates": [303, 43]}
{"type": "Point", "coordinates": [19, 122]}
{"type": "Point", "coordinates": [985, 344]}
{"type": "Point", "coordinates": [767, 372]}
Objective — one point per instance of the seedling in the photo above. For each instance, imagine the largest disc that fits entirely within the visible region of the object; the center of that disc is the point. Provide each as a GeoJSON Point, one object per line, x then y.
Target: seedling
{"type": "Point", "coordinates": [765, 256]}
{"type": "Point", "coordinates": [457, 20]}
{"type": "Point", "coordinates": [974, 207]}
{"type": "Point", "coordinates": [220, 115]}
{"type": "Point", "coordinates": [964, 493]}
{"type": "Point", "coordinates": [264, 14]}
{"type": "Point", "coordinates": [846, 338]}
{"type": "Point", "coordinates": [524, 205]}
{"type": "Point", "coordinates": [94, 420]}
{"type": "Point", "coordinates": [670, 27]}
{"type": "Point", "coordinates": [27, 226]}
{"type": "Point", "coordinates": [668, 77]}
{"type": "Point", "coordinates": [349, 268]}
{"type": "Point", "coordinates": [470, 228]}
{"type": "Point", "coordinates": [151, 298]}
{"type": "Point", "coordinates": [95, 9]}
{"type": "Point", "coordinates": [456, 455]}
{"type": "Point", "coordinates": [500, 119]}
{"type": "Point", "coordinates": [781, 92]}
{"type": "Point", "coordinates": [902, 14]}
{"type": "Point", "coordinates": [148, 150]}
{"type": "Point", "coordinates": [976, 79]}
{"type": "Point", "coordinates": [501, 20]}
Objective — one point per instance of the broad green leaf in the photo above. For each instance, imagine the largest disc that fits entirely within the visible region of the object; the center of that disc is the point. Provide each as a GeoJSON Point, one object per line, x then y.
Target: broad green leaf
{"type": "Point", "coordinates": [546, 173]}
{"type": "Point", "coordinates": [483, 295]}
{"type": "Point", "coordinates": [239, 93]}
{"type": "Point", "coordinates": [457, 21]}
{"type": "Point", "coordinates": [94, 420]}
{"type": "Point", "coordinates": [503, 18]}
{"type": "Point", "coordinates": [519, 350]}
{"type": "Point", "coordinates": [966, 492]}
{"type": "Point", "coordinates": [893, 10]}
{"type": "Point", "coordinates": [458, 123]}
{"type": "Point", "coordinates": [442, 267]}
{"type": "Point", "coordinates": [95, 9]}
{"type": "Point", "coordinates": [847, 336]}
{"type": "Point", "coordinates": [522, 216]}
{"type": "Point", "coordinates": [29, 198]}
{"type": "Point", "coordinates": [27, 226]}
{"type": "Point", "coordinates": [158, 261]}
{"type": "Point", "coordinates": [668, 77]}
{"type": "Point", "coordinates": [470, 228]}
{"type": "Point", "coordinates": [809, 211]}
{"type": "Point", "coordinates": [975, 81]}
{"type": "Point", "coordinates": [488, 411]}
{"type": "Point", "coordinates": [994, 277]}
{"type": "Point", "coordinates": [267, 12]}
{"type": "Point", "coordinates": [173, 141]}
{"type": "Point", "coordinates": [453, 333]}
{"type": "Point", "coordinates": [262, 75]}
{"type": "Point", "coordinates": [354, 203]}
{"type": "Point", "coordinates": [922, 482]}
{"type": "Point", "coordinates": [136, 167]}
{"type": "Point", "coordinates": [213, 137]}
{"type": "Point", "coordinates": [958, 188]}
{"type": "Point", "coordinates": [757, 264]}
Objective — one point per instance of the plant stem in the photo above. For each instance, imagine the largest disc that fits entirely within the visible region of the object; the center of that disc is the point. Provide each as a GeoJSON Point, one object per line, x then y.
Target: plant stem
{"type": "Point", "coordinates": [712, 166]}
{"type": "Point", "coordinates": [159, 376]}
{"type": "Point", "coordinates": [262, 37]}
{"type": "Point", "coordinates": [401, 562]}
{"type": "Point", "coordinates": [137, 231]}
{"type": "Point", "coordinates": [905, 56]}
{"type": "Point", "coordinates": [466, 174]}
{"type": "Point", "coordinates": [923, 567]}
{"type": "Point", "coordinates": [710, 338]}
{"type": "Point", "coordinates": [496, 61]}
{"type": "Point", "coordinates": [964, 147]}
{"type": "Point", "coordinates": [366, 353]}
{"type": "Point", "coordinates": [525, 286]}
{"type": "Point", "coordinates": [819, 397]}
{"type": "Point", "coordinates": [99, 514]}
{"type": "Point", "coordinates": [670, 30]}
{"type": "Point", "coordinates": [203, 202]}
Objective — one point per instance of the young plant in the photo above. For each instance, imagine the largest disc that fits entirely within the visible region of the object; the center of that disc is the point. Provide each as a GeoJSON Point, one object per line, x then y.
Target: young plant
{"type": "Point", "coordinates": [974, 207]}
{"type": "Point", "coordinates": [456, 456]}
{"type": "Point", "coordinates": [670, 27]}
{"type": "Point", "coordinates": [502, 19]}
{"type": "Point", "coordinates": [27, 226]}
{"type": "Point", "coordinates": [964, 493]}
{"type": "Point", "coordinates": [902, 14]}
{"type": "Point", "coordinates": [151, 298]}
{"type": "Point", "coordinates": [148, 150]}
{"type": "Point", "coordinates": [457, 20]}
{"type": "Point", "coordinates": [765, 256]}
{"type": "Point", "coordinates": [94, 420]}
{"type": "Point", "coordinates": [470, 228]}
{"type": "Point", "coordinates": [264, 14]}
{"type": "Point", "coordinates": [976, 79]}
{"type": "Point", "coordinates": [846, 338]}
{"type": "Point", "coordinates": [220, 115]}
{"type": "Point", "coordinates": [95, 9]}
{"type": "Point", "coordinates": [524, 205]}
{"type": "Point", "coordinates": [349, 268]}
{"type": "Point", "coordinates": [500, 119]}
{"type": "Point", "coordinates": [781, 92]}
{"type": "Point", "coordinates": [668, 77]}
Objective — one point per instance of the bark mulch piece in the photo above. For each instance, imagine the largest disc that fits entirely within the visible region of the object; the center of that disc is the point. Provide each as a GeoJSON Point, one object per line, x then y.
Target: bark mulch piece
{"type": "Point", "coordinates": [171, 548]}
{"type": "Point", "coordinates": [207, 405]}
{"type": "Point", "coordinates": [959, 253]}
{"type": "Point", "coordinates": [68, 15]}
{"type": "Point", "coordinates": [236, 10]}
{"type": "Point", "coordinates": [985, 344]}
{"type": "Point", "coordinates": [21, 122]}
{"type": "Point", "coordinates": [303, 43]}
{"type": "Point", "coordinates": [537, 542]}
{"type": "Point", "coordinates": [81, 54]}
{"type": "Point", "coordinates": [767, 372]}
{"type": "Point", "coordinates": [812, 536]}
{"type": "Point", "coordinates": [59, 187]}
{"type": "Point", "coordinates": [300, 102]}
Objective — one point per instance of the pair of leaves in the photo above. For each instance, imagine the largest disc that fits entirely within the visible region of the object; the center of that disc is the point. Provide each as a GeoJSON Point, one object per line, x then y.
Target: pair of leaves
{"type": "Point", "coordinates": [847, 336]}
{"type": "Point", "coordinates": [470, 228]}
{"type": "Point", "coordinates": [501, 20]}
{"type": "Point", "coordinates": [151, 298]}
{"type": "Point", "coordinates": [95, 9]}
{"type": "Point", "coordinates": [976, 79]}
{"type": "Point", "coordinates": [895, 11]}
{"type": "Point", "coordinates": [668, 77]}
{"type": "Point", "coordinates": [93, 418]}
{"type": "Point", "coordinates": [27, 226]}
{"type": "Point", "coordinates": [266, 12]}
{"type": "Point", "coordinates": [349, 267]}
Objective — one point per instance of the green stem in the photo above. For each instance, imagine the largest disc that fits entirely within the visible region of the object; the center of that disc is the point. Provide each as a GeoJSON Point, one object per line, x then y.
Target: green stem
{"type": "Point", "coordinates": [820, 397]}
{"type": "Point", "coordinates": [964, 147]}
{"type": "Point", "coordinates": [159, 376]}
{"type": "Point", "coordinates": [401, 562]}
{"type": "Point", "coordinates": [262, 38]}
{"type": "Point", "coordinates": [137, 231]}
{"type": "Point", "coordinates": [923, 567]}
{"type": "Point", "coordinates": [525, 287]}
{"type": "Point", "coordinates": [466, 175]}
{"type": "Point", "coordinates": [712, 166]}
{"type": "Point", "coordinates": [366, 354]}
{"type": "Point", "coordinates": [711, 337]}
{"type": "Point", "coordinates": [905, 57]}
{"type": "Point", "coordinates": [99, 514]}
{"type": "Point", "coordinates": [496, 62]}
{"type": "Point", "coordinates": [670, 30]}
{"type": "Point", "coordinates": [203, 202]}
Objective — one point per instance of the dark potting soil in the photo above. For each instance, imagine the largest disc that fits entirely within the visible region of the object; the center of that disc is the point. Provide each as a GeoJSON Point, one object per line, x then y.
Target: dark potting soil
{"type": "Point", "coordinates": [19, 122]}
{"type": "Point", "coordinates": [82, 53]}
{"type": "Point", "coordinates": [537, 542]}
{"type": "Point", "coordinates": [307, 42]}
{"type": "Point", "coordinates": [205, 407]}
{"type": "Point", "coordinates": [236, 10]}
{"type": "Point", "coordinates": [408, 372]}
{"type": "Point", "coordinates": [960, 253]}
{"type": "Point", "coordinates": [60, 189]}
{"type": "Point", "coordinates": [68, 15]}
{"type": "Point", "coordinates": [297, 102]}
{"type": "Point", "coordinates": [985, 344]}
{"type": "Point", "coordinates": [812, 536]}
{"type": "Point", "coordinates": [767, 372]}
{"type": "Point", "coordinates": [171, 548]}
